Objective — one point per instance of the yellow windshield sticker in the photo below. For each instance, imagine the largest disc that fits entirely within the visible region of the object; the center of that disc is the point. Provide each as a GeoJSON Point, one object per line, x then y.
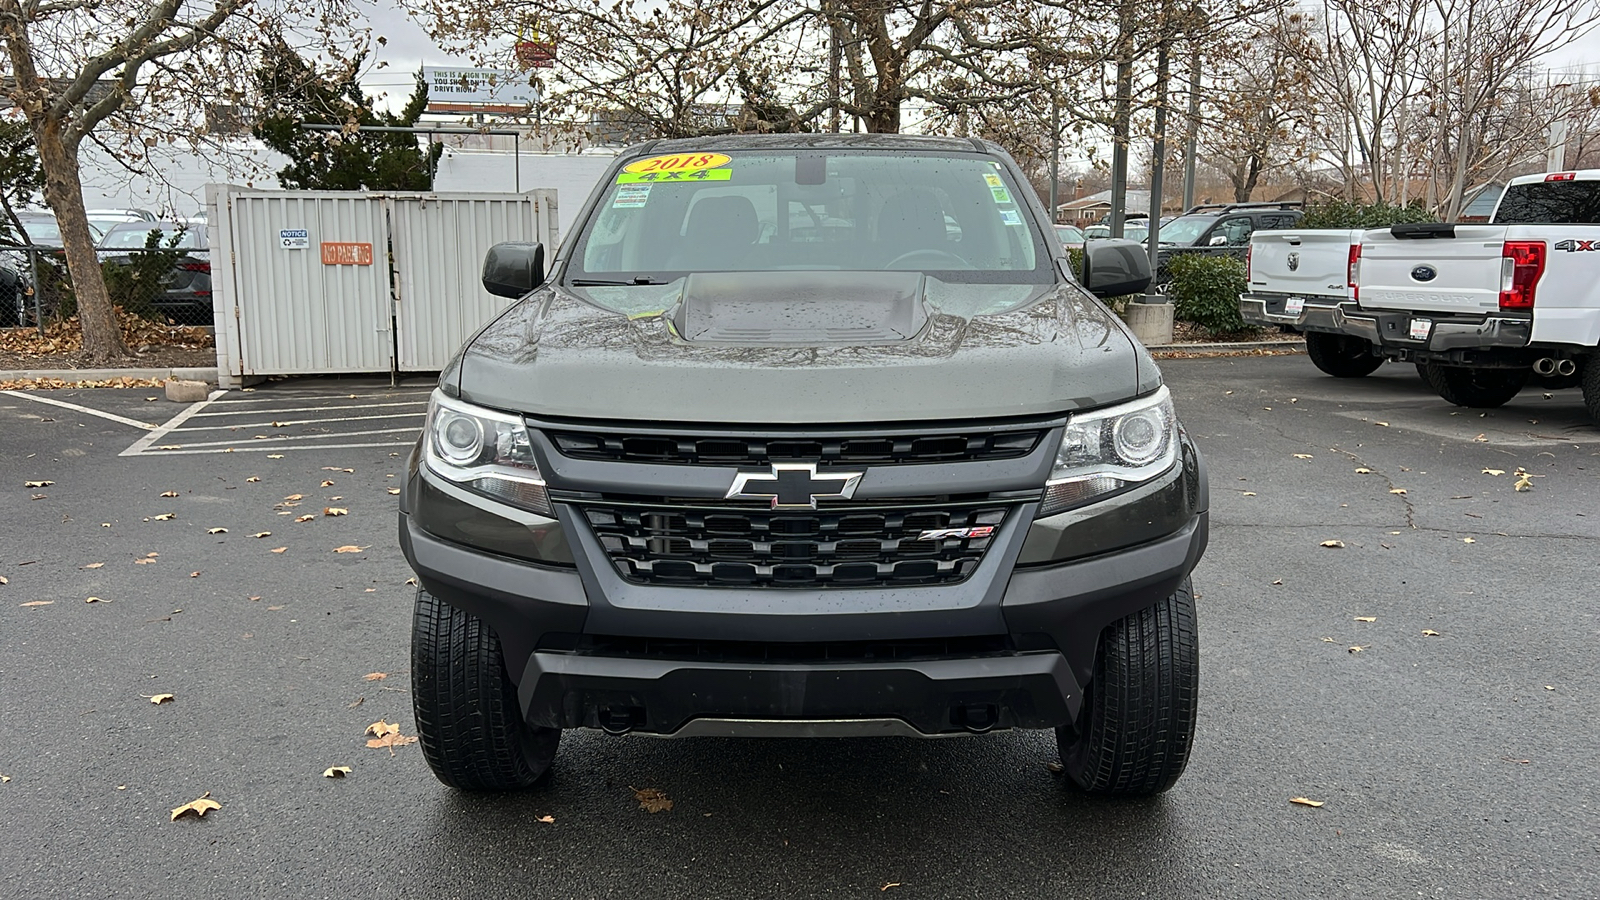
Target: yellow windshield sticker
{"type": "Point", "coordinates": [655, 177]}
{"type": "Point", "coordinates": [677, 162]}
{"type": "Point", "coordinates": [993, 180]}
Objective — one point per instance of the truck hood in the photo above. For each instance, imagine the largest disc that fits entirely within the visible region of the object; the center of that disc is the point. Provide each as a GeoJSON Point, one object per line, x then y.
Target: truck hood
{"type": "Point", "coordinates": [977, 351]}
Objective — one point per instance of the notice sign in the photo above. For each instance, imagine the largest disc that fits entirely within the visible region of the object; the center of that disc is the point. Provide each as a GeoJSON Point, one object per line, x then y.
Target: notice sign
{"type": "Point", "coordinates": [294, 238]}
{"type": "Point", "coordinates": [337, 253]}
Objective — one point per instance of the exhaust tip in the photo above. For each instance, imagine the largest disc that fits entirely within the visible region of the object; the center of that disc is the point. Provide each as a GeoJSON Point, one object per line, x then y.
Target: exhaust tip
{"type": "Point", "coordinates": [1566, 367]}
{"type": "Point", "coordinates": [619, 720]}
{"type": "Point", "coordinates": [976, 717]}
{"type": "Point", "coordinates": [1544, 366]}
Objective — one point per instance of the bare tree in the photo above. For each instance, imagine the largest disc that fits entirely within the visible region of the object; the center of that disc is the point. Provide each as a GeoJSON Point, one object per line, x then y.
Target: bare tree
{"type": "Point", "coordinates": [119, 71]}
{"type": "Point", "coordinates": [1252, 107]}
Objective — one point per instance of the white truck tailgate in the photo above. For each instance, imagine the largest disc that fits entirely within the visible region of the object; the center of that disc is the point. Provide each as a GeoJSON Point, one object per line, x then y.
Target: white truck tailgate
{"type": "Point", "coordinates": [1458, 274]}
{"type": "Point", "coordinates": [1306, 263]}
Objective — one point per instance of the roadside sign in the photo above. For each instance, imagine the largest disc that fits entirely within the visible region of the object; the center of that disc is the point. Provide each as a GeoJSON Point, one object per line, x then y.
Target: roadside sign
{"type": "Point", "coordinates": [341, 253]}
{"type": "Point", "coordinates": [294, 238]}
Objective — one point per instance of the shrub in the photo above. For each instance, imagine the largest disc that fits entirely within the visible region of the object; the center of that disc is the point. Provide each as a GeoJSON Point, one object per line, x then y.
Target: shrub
{"type": "Point", "coordinates": [1205, 290]}
{"type": "Point", "coordinates": [1344, 214]}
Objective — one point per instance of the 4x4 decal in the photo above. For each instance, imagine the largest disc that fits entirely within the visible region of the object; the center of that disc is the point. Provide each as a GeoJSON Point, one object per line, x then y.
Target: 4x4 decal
{"type": "Point", "coordinates": [1575, 246]}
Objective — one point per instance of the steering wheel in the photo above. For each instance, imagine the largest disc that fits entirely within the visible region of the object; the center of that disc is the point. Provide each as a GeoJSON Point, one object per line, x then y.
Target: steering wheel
{"type": "Point", "coordinates": [929, 252]}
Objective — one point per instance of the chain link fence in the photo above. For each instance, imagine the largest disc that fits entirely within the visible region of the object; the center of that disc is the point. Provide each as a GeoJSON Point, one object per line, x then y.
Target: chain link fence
{"type": "Point", "coordinates": [162, 284]}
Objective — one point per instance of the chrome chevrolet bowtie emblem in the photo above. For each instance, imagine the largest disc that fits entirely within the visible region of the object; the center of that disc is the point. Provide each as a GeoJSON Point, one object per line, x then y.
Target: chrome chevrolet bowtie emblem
{"type": "Point", "coordinates": [794, 485]}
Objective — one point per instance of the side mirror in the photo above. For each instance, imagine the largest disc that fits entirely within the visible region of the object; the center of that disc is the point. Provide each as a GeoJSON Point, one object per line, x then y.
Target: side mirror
{"type": "Point", "coordinates": [513, 269]}
{"type": "Point", "coordinates": [1112, 268]}
{"type": "Point", "coordinates": [1218, 240]}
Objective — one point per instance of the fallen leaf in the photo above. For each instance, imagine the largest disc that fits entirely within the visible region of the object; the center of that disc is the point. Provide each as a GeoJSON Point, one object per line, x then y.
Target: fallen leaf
{"type": "Point", "coordinates": [1302, 456]}
{"type": "Point", "coordinates": [411, 581]}
{"type": "Point", "coordinates": [1513, 759]}
{"type": "Point", "coordinates": [3, 580]}
{"type": "Point", "coordinates": [1524, 483]}
{"type": "Point", "coordinates": [216, 531]}
{"type": "Point", "coordinates": [294, 497]}
{"type": "Point", "coordinates": [1495, 472]}
{"type": "Point", "coordinates": [262, 534]}
{"type": "Point", "coordinates": [251, 480]}
{"type": "Point", "coordinates": [1333, 544]}
{"type": "Point", "coordinates": [1054, 767]}
{"type": "Point", "coordinates": [1400, 491]}
{"type": "Point", "coordinates": [274, 456]}
{"type": "Point", "coordinates": [198, 807]}
{"type": "Point", "coordinates": [255, 598]}
{"type": "Point", "coordinates": [1278, 581]}
{"type": "Point", "coordinates": [1428, 632]}
{"type": "Point", "coordinates": [887, 885]}
{"type": "Point", "coordinates": [143, 562]}
{"type": "Point", "coordinates": [375, 676]}
{"type": "Point", "coordinates": [4, 778]}
{"type": "Point", "coordinates": [305, 518]}
{"type": "Point", "coordinates": [1305, 802]}
{"type": "Point", "coordinates": [548, 820]}
{"type": "Point", "coordinates": [348, 548]}
{"type": "Point", "coordinates": [1481, 439]}
{"type": "Point", "coordinates": [159, 699]}
{"type": "Point", "coordinates": [274, 608]}
{"type": "Point", "coordinates": [1469, 540]}
{"type": "Point", "coordinates": [1363, 471]}
{"type": "Point", "coordinates": [651, 800]}
{"type": "Point", "coordinates": [279, 549]}
{"type": "Point", "coordinates": [381, 728]}
{"type": "Point", "coordinates": [1366, 618]}
{"type": "Point", "coordinates": [95, 600]}
{"type": "Point", "coordinates": [1549, 687]}
{"type": "Point", "coordinates": [336, 772]}
{"type": "Point", "coordinates": [326, 483]}
{"type": "Point", "coordinates": [194, 574]}
{"type": "Point", "coordinates": [1246, 493]}
{"type": "Point", "coordinates": [394, 490]}
{"type": "Point", "coordinates": [37, 603]}
{"type": "Point", "coordinates": [163, 517]}
{"type": "Point", "coordinates": [1357, 648]}
{"type": "Point", "coordinates": [37, 483]}
{"type": "Point", "coordinates": [95, 565]}
{"type": "Point", "coordinates": [1381, 424]}
{"type": "Point", "coordinates": [391, 741]}
{"type": "Point", "coordinates": [169, 493]}
{"type": "Point", "coordinates": [335, 511]}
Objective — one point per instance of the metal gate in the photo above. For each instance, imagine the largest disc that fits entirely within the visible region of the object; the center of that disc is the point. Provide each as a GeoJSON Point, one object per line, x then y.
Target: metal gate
{"type": "Point", "coordinates": [324, 282]}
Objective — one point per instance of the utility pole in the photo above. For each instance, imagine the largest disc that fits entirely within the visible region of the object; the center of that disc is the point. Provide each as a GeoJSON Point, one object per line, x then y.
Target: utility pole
{"type": "Point", "coordinates": [1122, 125]}
{"type": "Point", "coordinates": [1159, 166]}
{"type": "Point", "coordinates": [1055, 152]}
{"type": "Point", "coordinates": [1194, 125]}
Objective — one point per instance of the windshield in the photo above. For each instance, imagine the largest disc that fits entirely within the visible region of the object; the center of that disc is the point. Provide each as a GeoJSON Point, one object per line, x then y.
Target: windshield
{"type": "Point", "coordinates": [805, 210]}
{"type": "Point", "coordinates": [1550, 203]}
{"type": "Point", "coordinates": [1185, 230]}
{"type": "Point", "coordinates": [1069, 234]}
{"type": "Point", "coordinates": [135, 238]}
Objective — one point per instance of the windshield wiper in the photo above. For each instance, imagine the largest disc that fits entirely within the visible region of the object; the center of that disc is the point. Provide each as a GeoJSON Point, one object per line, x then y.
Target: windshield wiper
{"type": "Point", "coordinates": [613, 282]}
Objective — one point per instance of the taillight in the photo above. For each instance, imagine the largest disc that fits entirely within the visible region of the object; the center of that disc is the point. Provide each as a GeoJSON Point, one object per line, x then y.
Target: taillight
{"type": "Point", "coordinates": [1561, 176]}
{"type": "Point", "coordinates": [1354, 271]}
{"type": "Point", "coordinates": [195, 267]}
{"type": "Point", "coordinates": [1521, 264]}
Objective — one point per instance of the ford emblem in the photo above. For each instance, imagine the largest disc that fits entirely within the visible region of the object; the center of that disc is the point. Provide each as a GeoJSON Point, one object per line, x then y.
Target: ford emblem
{"type": "Point", "coordinates": [1424, 273]}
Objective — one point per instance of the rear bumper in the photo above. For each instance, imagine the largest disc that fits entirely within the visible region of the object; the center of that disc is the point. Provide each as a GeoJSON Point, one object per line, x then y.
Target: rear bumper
{"type": "Point", "coordinates": [1487, 340]}
{"type": "Point", "coordinates": [1271, 309]}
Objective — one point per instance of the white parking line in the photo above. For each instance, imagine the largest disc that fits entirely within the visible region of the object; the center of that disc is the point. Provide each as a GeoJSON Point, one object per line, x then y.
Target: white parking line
{"type": "Point", "coordinates": [297, 397]}
{"type": "Point", "coordinates": [280, 440]}
{"type": "Point", "coordinates": [262, 447]}
{"type": "Point", "coordinates": [160, 431]}
{"type": "Point", "coordinates": [247, 412]}
{"type": "Point", "coordinates": [284, 423]}
{"type": "Point", "coordinates": [83, 409]}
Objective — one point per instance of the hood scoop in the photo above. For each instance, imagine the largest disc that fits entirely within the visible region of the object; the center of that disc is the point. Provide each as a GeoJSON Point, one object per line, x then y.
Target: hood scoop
{"type": "Point", "coordinates": [801, 308]}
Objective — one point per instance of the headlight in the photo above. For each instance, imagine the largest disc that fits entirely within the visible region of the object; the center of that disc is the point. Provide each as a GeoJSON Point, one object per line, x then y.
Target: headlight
{"type": "Point", "coordinates": [1107, 450]}
{"type": "Point", "coordinates": [485, 451]}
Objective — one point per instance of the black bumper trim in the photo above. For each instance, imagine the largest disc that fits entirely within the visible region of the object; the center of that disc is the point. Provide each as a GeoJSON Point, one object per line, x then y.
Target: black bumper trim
{"type": "Point", "coordinates": [1028, 690]}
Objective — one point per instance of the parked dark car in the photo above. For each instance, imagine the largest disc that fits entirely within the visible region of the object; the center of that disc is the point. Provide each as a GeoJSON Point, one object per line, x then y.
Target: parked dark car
{"type": "Point", "coordinates": [1226, 225]}
{"type": "Point", "coordinates": [182, 290]}
{"type": "Point", "coordinates": [17, 269]}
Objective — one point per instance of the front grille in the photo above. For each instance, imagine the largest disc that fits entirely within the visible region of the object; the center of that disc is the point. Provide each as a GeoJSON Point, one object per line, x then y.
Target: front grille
{"type": "Point", "coordinates": [740, 547]}
{"type": "Point", "coordinates": [855, 449]}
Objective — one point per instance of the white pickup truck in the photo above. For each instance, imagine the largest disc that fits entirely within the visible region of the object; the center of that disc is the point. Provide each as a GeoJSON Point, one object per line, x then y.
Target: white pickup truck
{"type": "Point", "coordinates": [1300, 279]}
{"type": "Point", "coordinates": [1483, 308]}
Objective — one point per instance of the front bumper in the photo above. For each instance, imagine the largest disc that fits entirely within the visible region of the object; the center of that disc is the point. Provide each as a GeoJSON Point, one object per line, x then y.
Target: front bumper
{"type": "Point", "coordinates": [1053, 616]}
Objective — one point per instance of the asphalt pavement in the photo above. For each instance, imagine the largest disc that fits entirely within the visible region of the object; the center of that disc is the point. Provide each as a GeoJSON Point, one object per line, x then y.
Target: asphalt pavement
{"type": "Point", "coordinates": [1432, 682]}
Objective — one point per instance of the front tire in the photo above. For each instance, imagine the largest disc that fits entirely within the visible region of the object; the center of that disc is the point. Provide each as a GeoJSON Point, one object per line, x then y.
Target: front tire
{"type": "Point", "coordinates": [1476, 388]}
{"type": "Point", "coordinates": [471, 729]}
{"type": "Point", "coordinates": [1340, 355]}
{"type": "Point", "coordinates": [1137, 723]}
